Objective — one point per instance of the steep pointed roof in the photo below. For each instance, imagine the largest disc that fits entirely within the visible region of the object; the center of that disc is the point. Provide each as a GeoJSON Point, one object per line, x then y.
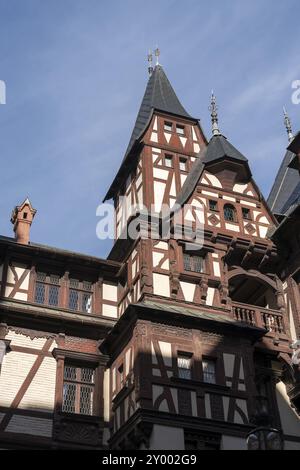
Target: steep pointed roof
{"type": "Point", "coordinates": [160, 96]}
{"type": "Point", "coordinates": [219, 147]}
{"type": "Point", "coordinates": [285, 184]}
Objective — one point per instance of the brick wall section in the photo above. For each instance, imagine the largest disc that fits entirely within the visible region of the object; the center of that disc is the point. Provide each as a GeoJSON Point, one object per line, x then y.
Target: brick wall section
{"type": "Point", "coordinates": [82, 345]}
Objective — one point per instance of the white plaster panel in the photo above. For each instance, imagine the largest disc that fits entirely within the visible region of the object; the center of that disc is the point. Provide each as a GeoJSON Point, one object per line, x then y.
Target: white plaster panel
{"type": "Point", "coordinates": [182, 179]}
{"type": "Point", "coordinates": [162, 246]}
{"type": "Point", "coordinates": [154, 137]}
{"type": "Point", "coordinates": [183, 140]}
{"type": "Point", "coordinates": [160, 173]}
{"type": "Point", "coordinates": [106, 392]}
{"type": "Point", "coordinates": [159, 191]}
{"type": "Point", "coordinates": [110, 292]}
{"type": "Point", "coordinates": [214, 181]}
{"type": "Point", "coordinates": [194, 404]}
{"type": "Point", "coordinates": [166, 352]}
{"type": "Point", "coordinates": [110, 311]}
{"type": "Point", "coordinates": [262, 231]}
{"type": "Point", "coordinates": [209, 193]}
{"type": "Point", "coordinates": [188, 290]}
{"type": "Point", "coordinates": [161, 285]}
{"type": "Point", "coordinates": [40, 393]}
{"type": "Point", "coordinates": [290, 421]}
{"type": "Point", "coordinates": [210, 296]}
{"type": "Point", "coordinates": [14, 370]}
{"type": "Point", "coordinates": [228, 364]}
{"type": "Point", "coordinates": [247, 203]}
{"type": "Point", "coordinates": [167, 136]}
{"type": "Point", "coordinates": [216, 267]}
{"type": "Point", "coordinates": [233, 228]}
{"type": "Point", "coordinates": [207, 406]}
{"type": "Point", "coordinates": [239, 188]}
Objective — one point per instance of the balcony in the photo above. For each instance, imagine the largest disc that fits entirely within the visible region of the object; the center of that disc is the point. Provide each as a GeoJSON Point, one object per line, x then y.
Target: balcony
{"type": "Point", "coordinates": [271, 320]}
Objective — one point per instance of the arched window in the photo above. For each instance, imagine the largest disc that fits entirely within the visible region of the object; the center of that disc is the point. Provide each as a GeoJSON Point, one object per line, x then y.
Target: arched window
{"type": "Point", "coordinates": [230, 213]}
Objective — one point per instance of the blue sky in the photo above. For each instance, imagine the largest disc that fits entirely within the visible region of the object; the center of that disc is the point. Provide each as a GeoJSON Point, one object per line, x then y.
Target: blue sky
{"type": "Point", "coordinates": [76, 70]}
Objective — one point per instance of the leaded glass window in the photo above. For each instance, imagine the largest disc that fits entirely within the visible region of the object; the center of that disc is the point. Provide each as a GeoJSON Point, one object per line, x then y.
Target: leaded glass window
{"type": "Point", "coordinates": [209, 371]}
{"type": "Point", "coordinates": [47, 289]}
{"type": "Point", "coordinates": [193, 263]}
{"type": "Point", "coordinates": [80, 296]}
{"type": "Point", "coordinates": [184, 366]}
{"type": "Point", "coordinates": [230, 213]}
{"type": "Point", "coordinates": [78, 391]}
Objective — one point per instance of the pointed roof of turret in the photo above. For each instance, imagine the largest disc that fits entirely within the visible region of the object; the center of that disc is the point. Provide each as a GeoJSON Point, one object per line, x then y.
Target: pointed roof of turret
{"type": "Point", "coordinates": [159, 96]}
{"type": "Point", "coordinates": [287, 179]}
{"type": "Point", "coordinates": [218, 148]}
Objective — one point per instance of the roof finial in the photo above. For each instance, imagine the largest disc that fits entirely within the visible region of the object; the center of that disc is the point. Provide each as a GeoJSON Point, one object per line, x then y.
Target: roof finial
{"type": "Point", "coordinates": [288, 125]}
{"type": "Point", "coordinates": [157, 54]}
{"type": "Point", "coordinates": [214, 115]}
{"type": "Point", "coordinates": [150, 59]}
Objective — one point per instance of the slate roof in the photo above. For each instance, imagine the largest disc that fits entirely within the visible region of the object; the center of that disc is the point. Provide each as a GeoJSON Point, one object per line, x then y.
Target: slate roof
{"type": "Point", "coordinates": [285, 184]}
{"type": "Point", "coordinates": [218, 147]}
{"type": "Point", "coordinates": [160, 96]}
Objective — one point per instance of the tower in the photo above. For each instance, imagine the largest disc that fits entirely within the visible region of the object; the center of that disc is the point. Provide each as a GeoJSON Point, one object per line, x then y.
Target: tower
{"type": "Point", "coordinates": [202, 320]}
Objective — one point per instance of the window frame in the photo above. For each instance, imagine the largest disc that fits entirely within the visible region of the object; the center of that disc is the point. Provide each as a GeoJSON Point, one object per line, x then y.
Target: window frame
{"type": "Point", "coordinates": [47, 287]}
{"type": "Point", "coordinates": [244, 209]}
{"type": "Point", "coordinates": [80, 290]}
{"type": "Point", "coordinates": [189, 357]}
{"type": "Point", "coordinates": [182, 127]}
{"type": "Point", "coordinates": [213, 361]}
{"type": "Point", "coordinates": [78, 387]}
{"type": "Point", "coordinates": [169, 125]}
{"type": "Point", "coordinates": [183, 160]}
{"type": "Point", "coordinates": [168, 157]}
{"type": "Point", "coordinates": [214, 201]}
{"type": "Point", "coordinates": [235, 217]}
{"type": "Point", "coordinates": [192, 261]}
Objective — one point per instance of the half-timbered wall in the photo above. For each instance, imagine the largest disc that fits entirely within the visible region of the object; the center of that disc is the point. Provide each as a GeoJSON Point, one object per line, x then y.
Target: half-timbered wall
{"type": "Point", "coordinates": [27, 384]}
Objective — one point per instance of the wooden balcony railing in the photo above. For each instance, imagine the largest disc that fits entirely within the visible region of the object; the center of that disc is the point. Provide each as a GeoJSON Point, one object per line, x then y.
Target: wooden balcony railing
{"type": "Point", "coordinates": [271, 320]}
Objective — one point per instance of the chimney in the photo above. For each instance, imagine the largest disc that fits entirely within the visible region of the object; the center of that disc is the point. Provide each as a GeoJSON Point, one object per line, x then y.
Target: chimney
{"type": "Point", "coordinates": [21, 218]}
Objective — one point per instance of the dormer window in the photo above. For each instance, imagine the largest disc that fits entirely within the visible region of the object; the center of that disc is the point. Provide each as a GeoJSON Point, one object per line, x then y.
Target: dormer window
{"type": "Point", "coordinates": [230, 213]}
{"type": "Point", "coordinates": [168, 126]}
{"type": "Point", "coordinates": [180, 129]}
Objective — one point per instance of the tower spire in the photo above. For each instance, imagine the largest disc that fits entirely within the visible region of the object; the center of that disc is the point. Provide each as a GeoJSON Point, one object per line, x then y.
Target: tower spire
{"type": "Point", "coordinates": [214, 115]}
{"type": "Point", "coordinates": [288, 125]}
{"type": "Point", "coordinates": [150, 59]}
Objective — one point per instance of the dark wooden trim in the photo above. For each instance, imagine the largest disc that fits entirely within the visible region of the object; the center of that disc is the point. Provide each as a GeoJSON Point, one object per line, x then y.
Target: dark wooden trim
{"type": "Point", "coordinates": [80, 356]}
